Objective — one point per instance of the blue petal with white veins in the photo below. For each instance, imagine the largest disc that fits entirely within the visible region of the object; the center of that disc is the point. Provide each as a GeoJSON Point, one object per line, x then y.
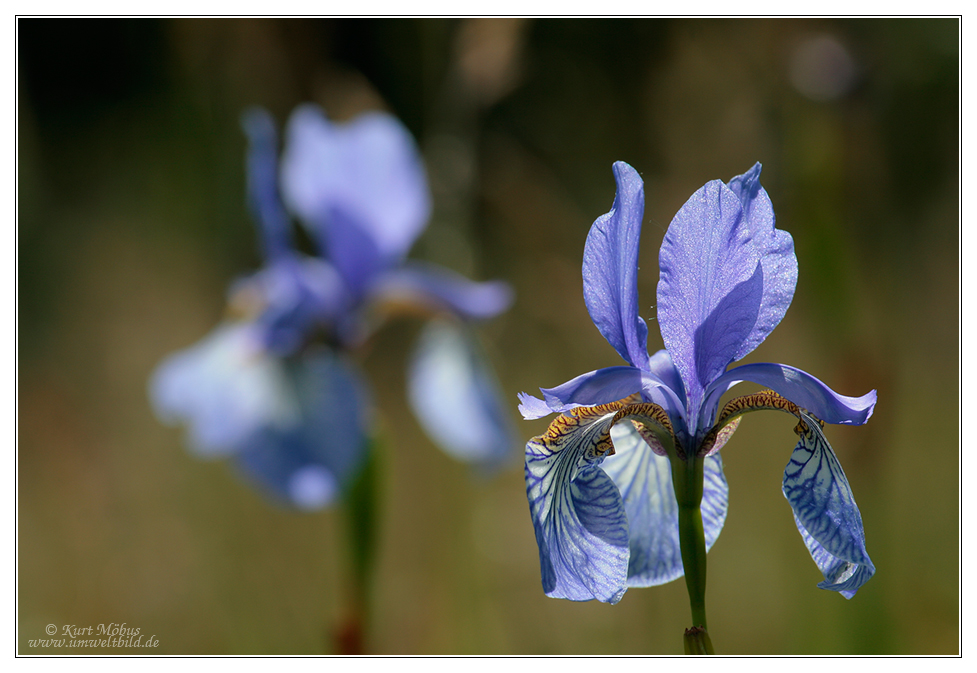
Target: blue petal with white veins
{"type": "Point", "coordinates": [825, 512]}
{"type": "Point", "coordinates": [579, 518]}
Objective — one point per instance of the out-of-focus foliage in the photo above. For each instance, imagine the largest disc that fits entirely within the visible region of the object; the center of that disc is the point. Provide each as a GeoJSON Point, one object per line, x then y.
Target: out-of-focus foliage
{"type": "Point", "coordinates": [132, 217]}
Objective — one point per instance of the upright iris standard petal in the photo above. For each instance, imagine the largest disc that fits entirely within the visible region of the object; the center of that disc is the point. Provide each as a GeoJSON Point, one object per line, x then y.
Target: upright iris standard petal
{"type": "Point", "coordinates": [359, 187]}
{"type": "Point", "coordinates": [224, 389]}
{"type": "Point", "coordinates": [580, 522]}
{"type": "Point", "coordinates": [727, 277]}
{"type": "Point", "coordinates": [456, 397]}
{"type": "Point", "coordinates": [825, 512]}
{"type": "Point", "coordinates": [263, 198]}
{"type": "Point", "coordinates": [610, 269]}
{"type": "Point", "coordinates": [308, 465]}
{"type": "Point", "coordinates": [711, 286]}
{"type": "Point", "coordinates": [777, 257]}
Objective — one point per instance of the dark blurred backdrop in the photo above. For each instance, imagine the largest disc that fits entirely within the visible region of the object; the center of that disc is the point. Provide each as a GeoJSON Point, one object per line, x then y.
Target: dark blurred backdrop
{"type": "Point", "coordinates": [132, 223]}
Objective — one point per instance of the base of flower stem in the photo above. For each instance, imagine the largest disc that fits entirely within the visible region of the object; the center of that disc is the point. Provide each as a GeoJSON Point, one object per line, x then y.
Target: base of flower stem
{"type": "Point", "coordinates": [348, 638]}
{"type": "Point", "coordinates": [697, 641]}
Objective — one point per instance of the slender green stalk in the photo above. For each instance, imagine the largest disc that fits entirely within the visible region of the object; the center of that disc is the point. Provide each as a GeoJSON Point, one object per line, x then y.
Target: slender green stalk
{"type": "Point", "coordinates": [362, 509]}
{"type": "Point", "coordinates": [687, 478]}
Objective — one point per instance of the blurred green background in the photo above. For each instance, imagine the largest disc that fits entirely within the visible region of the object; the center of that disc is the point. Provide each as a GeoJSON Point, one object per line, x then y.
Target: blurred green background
{"type": "Point", "coordinates": [132, 223]}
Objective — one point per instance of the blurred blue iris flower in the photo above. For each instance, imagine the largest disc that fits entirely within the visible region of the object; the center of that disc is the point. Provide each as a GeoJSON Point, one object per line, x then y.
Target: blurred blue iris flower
{"type": "Point", "coordinates": [600, 490]}
{"type": "Point", "coordinates": [274, 386]}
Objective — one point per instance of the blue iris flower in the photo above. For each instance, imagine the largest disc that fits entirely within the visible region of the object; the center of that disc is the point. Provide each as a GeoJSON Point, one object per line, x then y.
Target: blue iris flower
{"type": "Point", "coordinates": [275, 386]}
{"type": "Point", "coordinates": [601, 480]}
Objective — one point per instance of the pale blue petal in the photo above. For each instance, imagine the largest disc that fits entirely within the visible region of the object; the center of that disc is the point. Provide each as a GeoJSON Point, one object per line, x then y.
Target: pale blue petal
{"type": "Point", "coordinates": [645, 483]}
{"type": "Point", "coordinates": [826, 514]}
{"type": "Point", "coordinates": [644, 480]}
{"type": "Point", "coordinates": [359, 187]}
{"type": "Point", "coordinates": [456, 397]}
{"type": "Point", "coordinates": [670, 396]}
{"type": "Point", "coordinates": [715, 498]}
{"type": "Point", "coordinates": [224, 389]}
{"type": "Point", "coordinates": [660, 364]}
{"type": "Point", "coordinates": [610, 269]}
{"type": "Point", "coordinates": [797, 386]}
{"type": "Point", "coordinates": [309, 465]}
{"type": "Point", "coordinates": [601, 386]}
{"type": "Point", "coordinates": [439, 289]}
{"type": "Point", "coordinates": [532, 408]}
{"type": "Point", "coordinates": [579, 518]}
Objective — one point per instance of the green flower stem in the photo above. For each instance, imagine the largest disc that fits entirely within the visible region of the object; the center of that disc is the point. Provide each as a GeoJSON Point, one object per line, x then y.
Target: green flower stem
{"type": "Point", "coordinates": [687, 478]}
{"type": "Point", "coordinates": [362, 510]}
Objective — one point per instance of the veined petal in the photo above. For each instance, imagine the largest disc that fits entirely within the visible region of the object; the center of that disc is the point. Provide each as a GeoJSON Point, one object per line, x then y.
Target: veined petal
{"type": "Point", "coordinates": [610, 269]}
{"type": "Point", "coordinates": [818, 492]}
{"type": "Point", "coordinates": [644, 480]}
{"type": "Point", "coordinates": [825, 512]}
{"type": "Point", "coordinates": [360, 187]}
{"type": "Point", "coordinates": [797, 386]}
{"type": "Point", "coordinates": [309, 465]}
{"type": "Point", "coordinates": [262, 162]}
{"type": "Point", "coordinates": [579, 518]}
{"type": "Point", "coordinates": [224, 389]}
{"type": "Point", "coordinates": [727, 277]}
{"type": "Point", "coordinates": [439, 289]}
{"type": "Point", "coordinates": [456, 397]}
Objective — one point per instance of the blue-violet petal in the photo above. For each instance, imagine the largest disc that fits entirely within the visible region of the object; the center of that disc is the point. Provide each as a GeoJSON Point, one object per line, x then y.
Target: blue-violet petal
{"type": "Point", "coordinates": [610, 269]}
{"type": "Point", "coordinates": [359, 187]}
{"type": "Point", "coordinates": [308, 466]}
{"type": "Point", "coordinates": [579, 518]}
{"type": "Point", "coordinates": [825, 512]}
